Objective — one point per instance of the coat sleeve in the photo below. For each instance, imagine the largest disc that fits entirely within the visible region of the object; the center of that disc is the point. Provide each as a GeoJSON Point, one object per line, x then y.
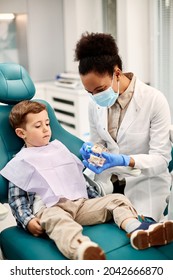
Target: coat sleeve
{"type": "Point", "coordinates": [158, 157]}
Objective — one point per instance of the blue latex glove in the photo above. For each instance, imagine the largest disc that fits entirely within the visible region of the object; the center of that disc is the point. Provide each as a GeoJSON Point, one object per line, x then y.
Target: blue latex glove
{"type": "Point", "coordinates": [85, 150]}
{"type": "Point", "coordinates": [111, 161]}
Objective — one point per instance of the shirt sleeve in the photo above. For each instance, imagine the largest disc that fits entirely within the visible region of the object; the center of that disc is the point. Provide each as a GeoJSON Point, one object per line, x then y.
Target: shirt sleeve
{"type": "Point", "coordinates": [21, 204]}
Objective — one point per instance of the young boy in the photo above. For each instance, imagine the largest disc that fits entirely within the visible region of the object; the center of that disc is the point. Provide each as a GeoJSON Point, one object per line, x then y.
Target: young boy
{"type": "Point", "coordinates": [47, 192]}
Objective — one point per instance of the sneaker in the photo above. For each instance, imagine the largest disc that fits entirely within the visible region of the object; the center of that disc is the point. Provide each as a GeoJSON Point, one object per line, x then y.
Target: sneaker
{"type": "Point", "coordinates": [157, 234]}
{"type": "Point", "coordinates": [90, 251]}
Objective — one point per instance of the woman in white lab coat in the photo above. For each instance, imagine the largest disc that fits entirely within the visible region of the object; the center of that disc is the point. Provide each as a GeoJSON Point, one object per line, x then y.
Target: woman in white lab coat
{"type": "Point", "coordinates": [129, 118]}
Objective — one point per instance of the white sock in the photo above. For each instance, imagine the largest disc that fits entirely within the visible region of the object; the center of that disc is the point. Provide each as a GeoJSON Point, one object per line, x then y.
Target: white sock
{"type": "Point", "coordinates": [132, 225]}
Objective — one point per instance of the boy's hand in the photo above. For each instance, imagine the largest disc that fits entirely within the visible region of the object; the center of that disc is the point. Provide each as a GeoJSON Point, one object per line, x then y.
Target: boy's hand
{"type": "Point", "coordinates": [34, 227]}
{"type": "Point", "coordinates": [85, 150]}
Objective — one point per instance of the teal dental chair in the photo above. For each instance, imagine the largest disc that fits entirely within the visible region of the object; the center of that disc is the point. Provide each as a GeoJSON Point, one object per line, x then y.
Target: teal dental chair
{"type": "Point", "coordinates": [15, 242]}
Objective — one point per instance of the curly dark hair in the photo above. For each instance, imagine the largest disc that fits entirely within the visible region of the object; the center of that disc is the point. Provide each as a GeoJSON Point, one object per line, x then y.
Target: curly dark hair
{"type": "Point", "coordinates": [97, 52]}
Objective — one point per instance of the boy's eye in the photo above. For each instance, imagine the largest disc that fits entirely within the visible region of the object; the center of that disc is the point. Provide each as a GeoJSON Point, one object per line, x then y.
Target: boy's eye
{"type": "Point", "coordinates": [37, 126]}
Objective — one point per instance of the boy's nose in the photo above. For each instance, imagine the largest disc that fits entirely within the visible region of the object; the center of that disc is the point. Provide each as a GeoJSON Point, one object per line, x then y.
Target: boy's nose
{"type": "Point", "coordinates": [45, 128]}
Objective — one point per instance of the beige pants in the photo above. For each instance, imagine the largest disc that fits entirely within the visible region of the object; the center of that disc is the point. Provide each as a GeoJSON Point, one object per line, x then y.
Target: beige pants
{"type": "Point", "coordinates": [63, 222]}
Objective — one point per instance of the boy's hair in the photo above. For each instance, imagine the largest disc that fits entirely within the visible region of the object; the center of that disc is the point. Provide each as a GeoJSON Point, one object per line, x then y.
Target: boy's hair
{"type": "Point", "coordinates": [20, 111]}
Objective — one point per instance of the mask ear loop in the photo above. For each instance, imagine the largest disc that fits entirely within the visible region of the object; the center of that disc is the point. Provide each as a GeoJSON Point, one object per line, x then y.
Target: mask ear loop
{"type": "Point", "coordinates": [113, 79]}
{"type": "Point", "coordinates": [118, 83]}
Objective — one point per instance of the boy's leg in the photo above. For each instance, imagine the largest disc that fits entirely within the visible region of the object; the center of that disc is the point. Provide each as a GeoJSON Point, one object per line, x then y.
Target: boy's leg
{"type": "Point", "coordinates": [144, 235]}
{"type": "Point", "coordinates": [102, 209]}
{"type": "Point", "coordinates": [60, 226]}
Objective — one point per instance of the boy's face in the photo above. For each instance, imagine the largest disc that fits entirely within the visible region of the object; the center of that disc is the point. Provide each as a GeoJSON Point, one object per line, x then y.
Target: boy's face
{"type": "Point", "coordinates": [37, 130]}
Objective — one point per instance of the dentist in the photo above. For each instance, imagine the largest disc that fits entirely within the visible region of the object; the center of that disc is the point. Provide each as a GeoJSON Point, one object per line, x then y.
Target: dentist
{"type": "Point", "coordinates": [131, 119]}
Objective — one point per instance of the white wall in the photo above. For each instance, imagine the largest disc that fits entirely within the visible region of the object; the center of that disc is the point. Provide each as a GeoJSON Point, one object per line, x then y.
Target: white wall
{"type": "Point", "coordinates": [79, 16]}
{"type": "Point", "coordinates": [45, 39]}
{"type": "Point", "coordinates": [55, 26]}
{"type": "Point", "coordinates": [13, 6]}
{"type": "Point", "coordinates": [133, 36]}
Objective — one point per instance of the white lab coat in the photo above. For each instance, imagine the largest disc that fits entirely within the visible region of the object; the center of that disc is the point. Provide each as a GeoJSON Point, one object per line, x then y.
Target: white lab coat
{"type": "Point", "coordinates": [144, 135]}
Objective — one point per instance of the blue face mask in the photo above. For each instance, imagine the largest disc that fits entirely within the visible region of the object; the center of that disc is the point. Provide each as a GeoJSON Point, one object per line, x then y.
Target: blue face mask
{"type": "Point", "coordinates": [107, 97]}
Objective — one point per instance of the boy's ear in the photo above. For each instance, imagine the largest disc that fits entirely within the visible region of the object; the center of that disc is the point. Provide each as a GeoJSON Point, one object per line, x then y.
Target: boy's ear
{"type": "Point", "coordinates": [20, 132]}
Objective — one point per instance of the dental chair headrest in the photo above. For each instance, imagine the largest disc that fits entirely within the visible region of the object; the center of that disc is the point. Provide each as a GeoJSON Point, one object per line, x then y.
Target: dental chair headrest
{"type": "Point", "coordinates": [15, 84]}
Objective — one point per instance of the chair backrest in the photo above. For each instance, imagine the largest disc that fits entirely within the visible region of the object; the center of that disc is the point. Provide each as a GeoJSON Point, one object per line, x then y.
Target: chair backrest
{"type": "Point", "coordinates": [15, 86]}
